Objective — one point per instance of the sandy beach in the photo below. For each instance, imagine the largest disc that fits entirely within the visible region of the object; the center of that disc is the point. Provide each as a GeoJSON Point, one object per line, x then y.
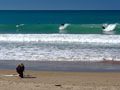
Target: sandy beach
{"type": "Point", "coordinates": [44, 80]}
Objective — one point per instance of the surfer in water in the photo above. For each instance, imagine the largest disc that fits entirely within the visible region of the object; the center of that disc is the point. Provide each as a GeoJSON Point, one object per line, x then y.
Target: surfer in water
{"type": "Point", "coordinates": [62, 24]}
{"type": "Point", "coordinates": [108, 27]}
{"type": "Point", "coordinates": [18, 25]}
{"type": "Point", "coordinates": [103, 27]}
{"type": "Point", "coordinates": [20, 69]}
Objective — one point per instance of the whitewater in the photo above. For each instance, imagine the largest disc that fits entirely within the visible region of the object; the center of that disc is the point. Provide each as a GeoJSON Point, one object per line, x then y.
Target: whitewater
{"type": "Point", "coordinates": [61, 38]}
{"type": "Point", "coordinates": [59, 47]}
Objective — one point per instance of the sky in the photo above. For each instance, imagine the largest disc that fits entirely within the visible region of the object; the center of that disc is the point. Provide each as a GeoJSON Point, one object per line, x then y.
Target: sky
{"type": "Point", "coordinates": [59, 4]}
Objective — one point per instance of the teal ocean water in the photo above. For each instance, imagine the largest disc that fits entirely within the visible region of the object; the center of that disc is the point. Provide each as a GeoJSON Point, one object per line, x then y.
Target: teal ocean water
{"type": "Point", "coordinates": [54, 29]}
{"type": "Point", "coordinates": [41, 36]}
{"type": "Point", "coordinates": [59, 17]}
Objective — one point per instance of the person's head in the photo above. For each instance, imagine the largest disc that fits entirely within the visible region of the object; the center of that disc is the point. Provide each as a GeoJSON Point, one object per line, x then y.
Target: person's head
{"type": "Point", "coordinates": [21, 65]}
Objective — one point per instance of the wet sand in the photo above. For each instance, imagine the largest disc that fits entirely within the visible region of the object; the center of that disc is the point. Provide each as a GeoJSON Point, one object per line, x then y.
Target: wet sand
{"type": "Point", "coordinates": [45, 80]}
{"type": "Point", "coordinates": [63, 66]}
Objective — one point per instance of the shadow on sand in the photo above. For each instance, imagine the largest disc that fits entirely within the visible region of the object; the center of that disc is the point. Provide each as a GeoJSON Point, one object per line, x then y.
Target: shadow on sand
{"type": "Point", "coordinates": [28, 76]}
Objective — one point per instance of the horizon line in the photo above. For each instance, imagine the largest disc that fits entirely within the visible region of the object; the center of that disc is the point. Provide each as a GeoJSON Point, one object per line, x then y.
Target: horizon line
{"type": "Point", "coordinates": [62, 10]}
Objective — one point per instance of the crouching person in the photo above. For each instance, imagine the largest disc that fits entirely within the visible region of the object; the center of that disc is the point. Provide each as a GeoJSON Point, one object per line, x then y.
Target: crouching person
{"type": "Point", "coordinates": [20, 69]}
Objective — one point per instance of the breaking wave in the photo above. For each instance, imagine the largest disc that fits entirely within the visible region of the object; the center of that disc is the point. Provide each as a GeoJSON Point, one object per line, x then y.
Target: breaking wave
{"type": "Point", "coordinates": [61, 38]}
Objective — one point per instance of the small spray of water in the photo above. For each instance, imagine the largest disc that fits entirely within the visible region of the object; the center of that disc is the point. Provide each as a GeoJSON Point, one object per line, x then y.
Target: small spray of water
{"type": "Point", "coordinates": [63, 26]}
{"type": "Point", "coordinates": [109, 27]}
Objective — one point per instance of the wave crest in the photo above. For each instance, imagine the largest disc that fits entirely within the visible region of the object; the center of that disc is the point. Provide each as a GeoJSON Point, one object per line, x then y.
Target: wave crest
{"type": "Point", "coordinates": [53, 38]}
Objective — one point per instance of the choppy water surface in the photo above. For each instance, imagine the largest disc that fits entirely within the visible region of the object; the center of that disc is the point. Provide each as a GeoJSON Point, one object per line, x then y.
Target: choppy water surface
{"type": "Point", "coordinates": [59, 47]}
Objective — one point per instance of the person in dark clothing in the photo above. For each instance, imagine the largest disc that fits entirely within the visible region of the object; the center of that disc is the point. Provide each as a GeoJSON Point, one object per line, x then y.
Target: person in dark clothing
{"type": "Point", "coordinates": [20, 69]}
{"type": "Point", "coordinates": [62, 24]}
{"type": "Point", "coordinates": [103, 27]}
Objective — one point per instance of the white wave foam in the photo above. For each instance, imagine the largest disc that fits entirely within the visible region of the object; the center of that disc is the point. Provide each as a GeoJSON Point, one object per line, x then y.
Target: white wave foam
{"type": "Point", "coordinates": [53, 38]}
{"type": "Point", "coordinates": [110, 27]}
{"type": "Point", "coordinates": [18, 25]}
{"type": "Point", "coordinates": [63, 26]}
{"type": "Point", "coordinates": [59, 51]}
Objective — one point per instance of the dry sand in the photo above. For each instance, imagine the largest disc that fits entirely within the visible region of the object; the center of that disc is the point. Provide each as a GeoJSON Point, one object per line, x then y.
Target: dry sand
{"type": "Point", "coordinates": [39, 80]}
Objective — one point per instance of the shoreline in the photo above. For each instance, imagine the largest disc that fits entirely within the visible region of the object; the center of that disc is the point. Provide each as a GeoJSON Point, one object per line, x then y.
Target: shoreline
{"type": "Point", "coordinates": [46, 80]}
{"type": "Point", "coordinates": [109, 61]}
{"type": "Point", "coordinates": [63, 66]}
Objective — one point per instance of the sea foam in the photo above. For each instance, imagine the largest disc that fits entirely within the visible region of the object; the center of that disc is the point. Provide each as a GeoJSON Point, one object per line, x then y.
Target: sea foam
{"type": "Point", "coordinates": [53, 38]}
{"type": "Point", "coordinates": [59, 47]}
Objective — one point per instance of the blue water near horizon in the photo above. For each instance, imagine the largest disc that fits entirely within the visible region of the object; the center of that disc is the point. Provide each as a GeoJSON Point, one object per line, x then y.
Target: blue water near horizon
{"type": "Point", "coordinates": [59, 16]}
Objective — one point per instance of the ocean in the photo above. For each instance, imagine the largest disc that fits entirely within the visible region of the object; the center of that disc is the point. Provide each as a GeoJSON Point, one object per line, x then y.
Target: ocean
{"type": "Point", "coordinates": [36, 35]}
{"type": "Point", "coordinates": [59, 16]}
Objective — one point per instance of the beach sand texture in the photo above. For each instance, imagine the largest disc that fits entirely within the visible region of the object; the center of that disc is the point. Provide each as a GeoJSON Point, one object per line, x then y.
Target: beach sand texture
{"type": "Point", "coordinates": [40, 80]}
